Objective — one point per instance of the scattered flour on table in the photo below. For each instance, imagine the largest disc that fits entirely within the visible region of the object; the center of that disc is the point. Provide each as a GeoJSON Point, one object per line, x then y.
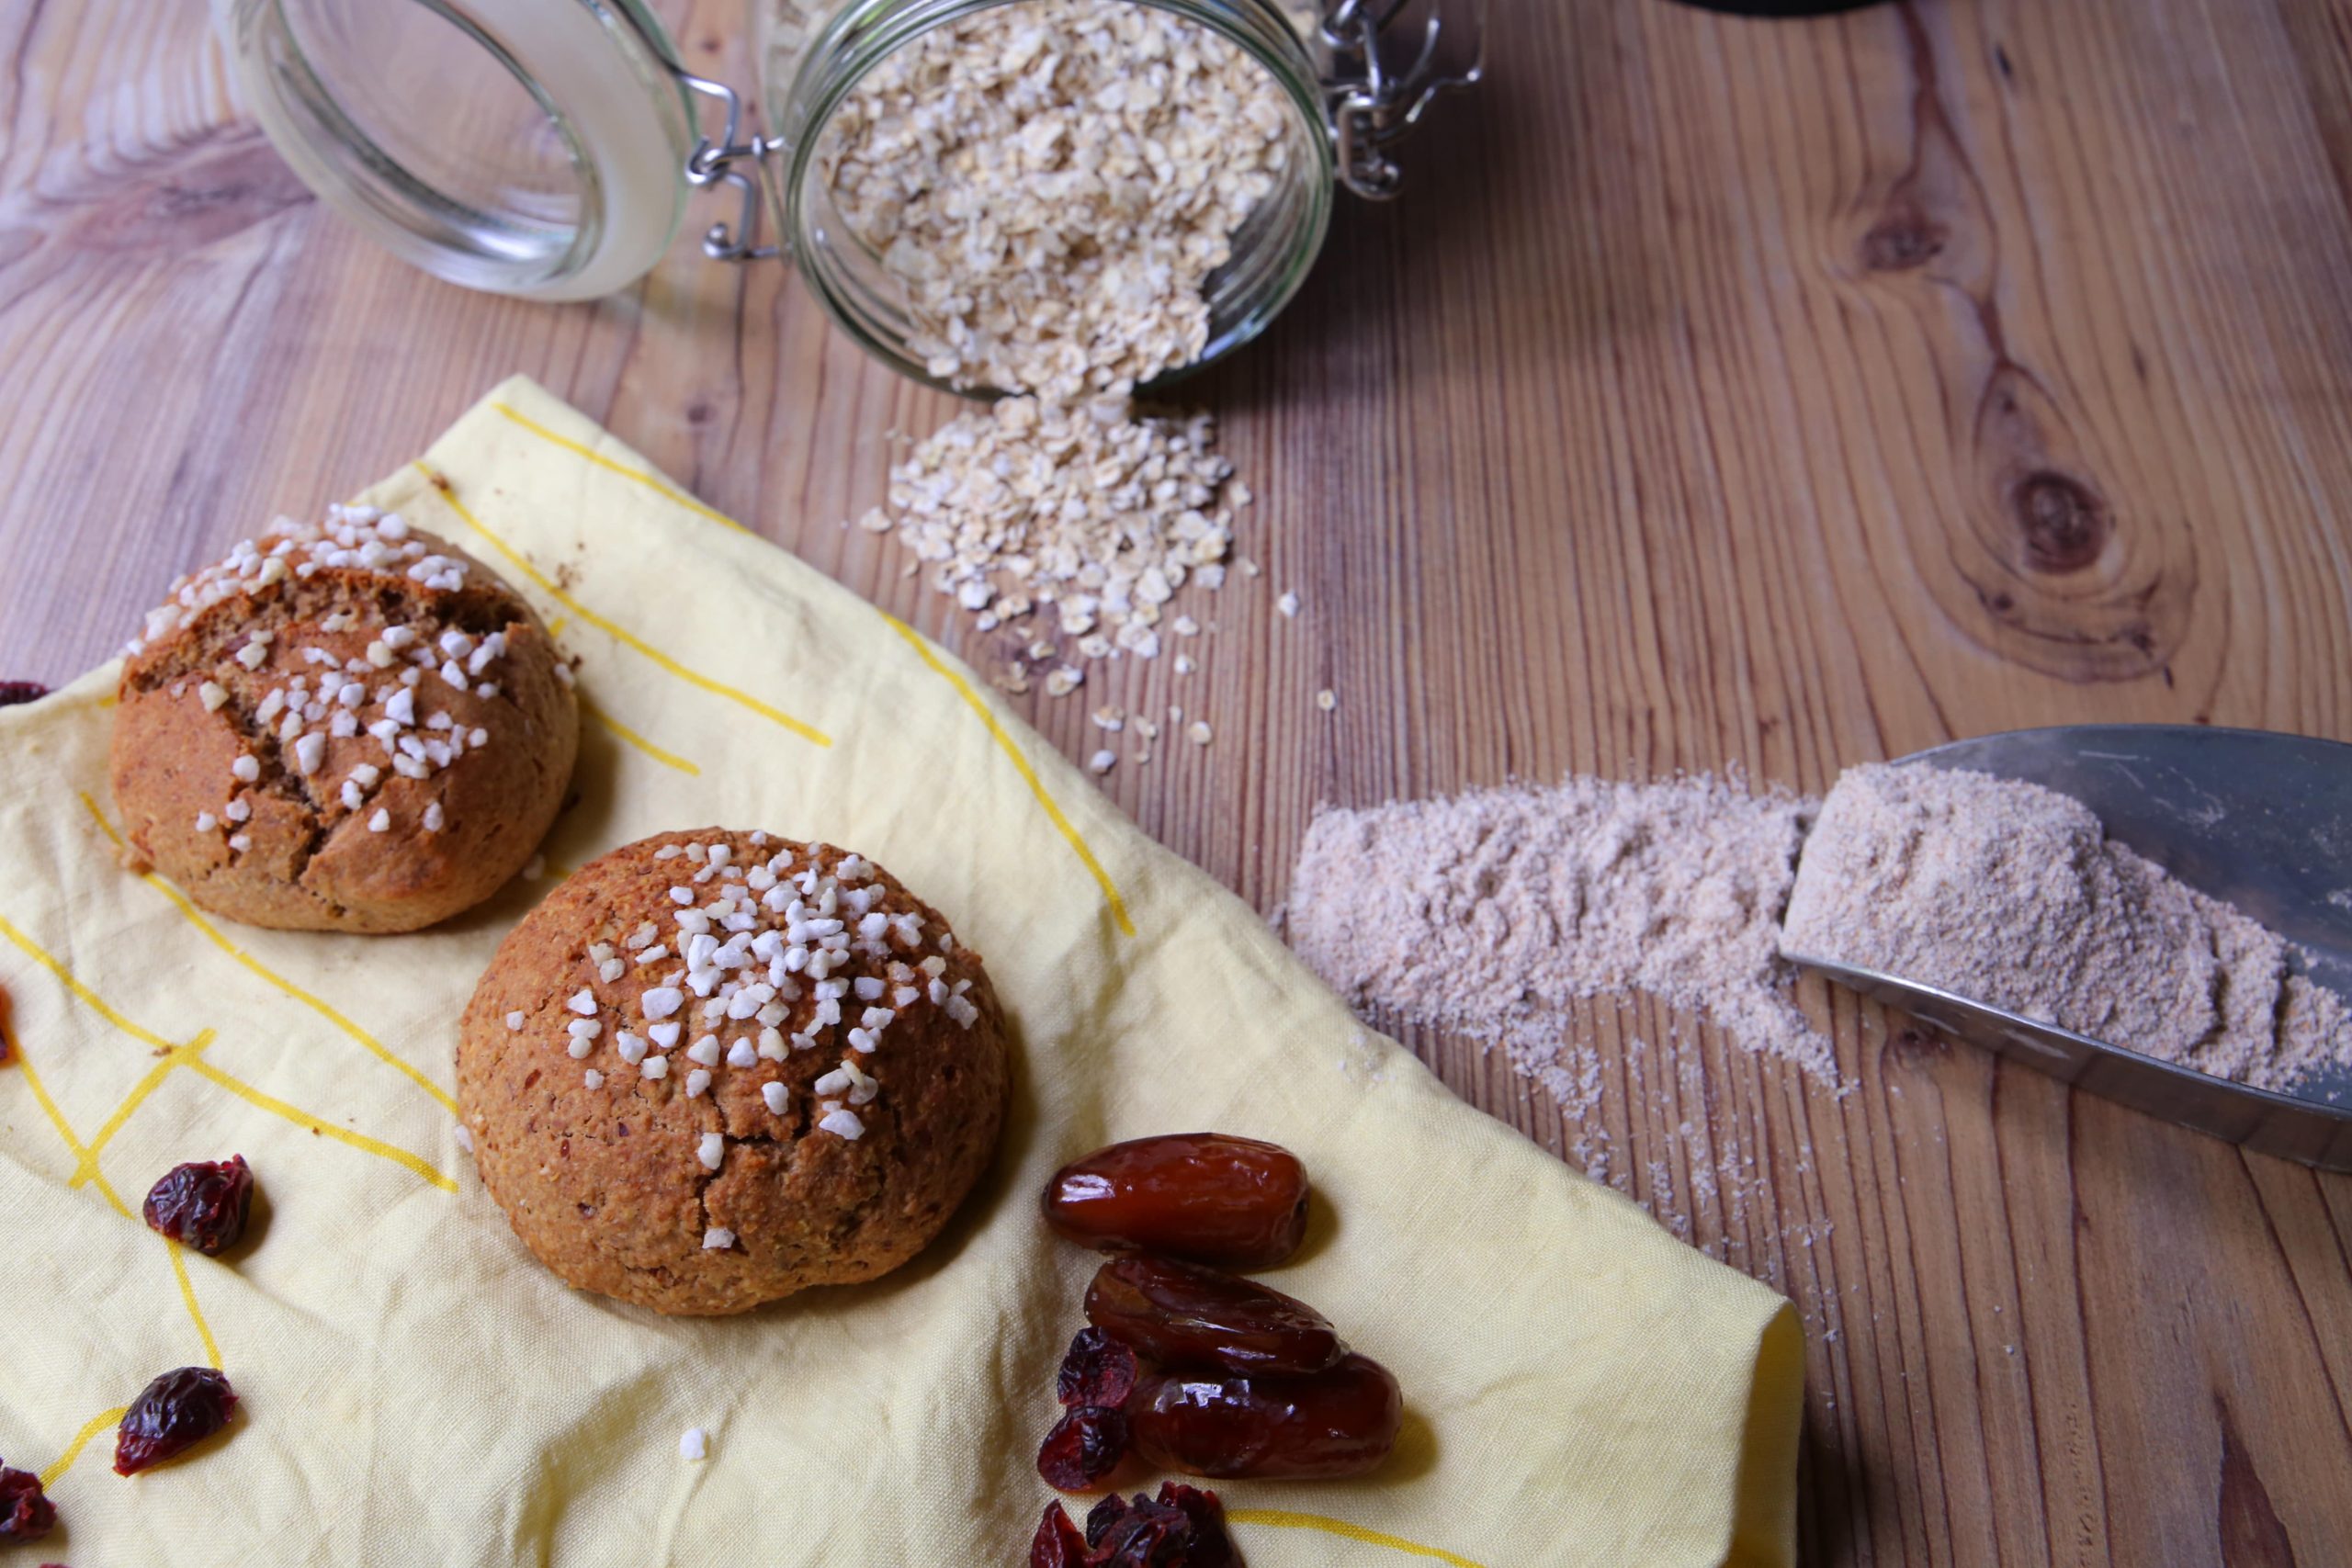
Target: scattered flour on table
{"type": "Point", "coordinates": [1494, 913]}
{"type": "Point", "coordinates": [2011, 894]}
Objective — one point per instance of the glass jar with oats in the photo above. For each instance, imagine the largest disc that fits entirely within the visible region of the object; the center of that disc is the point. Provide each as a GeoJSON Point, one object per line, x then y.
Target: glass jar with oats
{"type": "Point", "coordinates": [1068, 198]}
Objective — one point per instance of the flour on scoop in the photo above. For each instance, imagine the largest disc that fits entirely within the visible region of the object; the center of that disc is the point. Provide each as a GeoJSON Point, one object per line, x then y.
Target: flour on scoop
{"type": "Point", "coordinates": [2011, 894]}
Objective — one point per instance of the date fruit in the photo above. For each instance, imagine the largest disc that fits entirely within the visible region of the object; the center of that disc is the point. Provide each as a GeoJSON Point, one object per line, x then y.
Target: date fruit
{"type": "Point", "coordinates": [1204, 1197]}
{"type": "Point", "coordinates": [1341, 1421]}
{"type": "Point", "coordinates": [176, 1412]}
{"type": "Point", "coordinates": [15, 691]}
{"type": "Point", "coordinates": [1085, 1446]}
{"type": "Point", "coordinates": [1188, 1317]}
{"type": "Point", "coordinates": [1099, 1371]}
{"type": "Point", "coordinates": [24, 1513]}
{"type": "Point", "coordinates": [203, 1205]}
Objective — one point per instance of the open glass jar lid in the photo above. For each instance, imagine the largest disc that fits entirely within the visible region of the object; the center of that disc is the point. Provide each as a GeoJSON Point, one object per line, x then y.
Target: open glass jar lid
{"type": "Point", "coordinates": [548, 148]}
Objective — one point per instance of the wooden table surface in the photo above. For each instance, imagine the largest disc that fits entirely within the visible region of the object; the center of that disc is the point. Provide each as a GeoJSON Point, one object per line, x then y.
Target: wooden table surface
{"type": "Point", "coordinates": [1766, 395]}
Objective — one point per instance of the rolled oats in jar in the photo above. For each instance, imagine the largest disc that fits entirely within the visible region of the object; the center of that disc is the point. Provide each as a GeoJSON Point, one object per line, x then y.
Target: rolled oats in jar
{"type": "Point", "coordinates": [1064, 199]}
{"type": "Point", "coordinates": [1052, 183]}
{"type": "Point", "coordinates": [1059, 205]}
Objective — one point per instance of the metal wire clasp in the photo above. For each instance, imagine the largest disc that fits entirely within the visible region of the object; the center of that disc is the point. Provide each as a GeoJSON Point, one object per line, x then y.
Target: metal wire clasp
{"type": "Point", "coordinates": [1369, 104]}
{"type": "Point", "coordinates": [713, 162]}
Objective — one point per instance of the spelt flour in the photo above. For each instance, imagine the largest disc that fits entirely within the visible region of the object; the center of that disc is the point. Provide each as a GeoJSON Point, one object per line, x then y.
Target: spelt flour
{"type": "Point", "coordinates": [1494, 913]}
{"type": "Point", "coordinates": [2009, 893]}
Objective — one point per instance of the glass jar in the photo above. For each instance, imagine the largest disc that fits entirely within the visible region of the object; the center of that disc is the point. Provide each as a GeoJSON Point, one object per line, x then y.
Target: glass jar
{"type": "Point", "coordinates": [806, 79]}
{"type": "Point", "coordinates": [548, 148]}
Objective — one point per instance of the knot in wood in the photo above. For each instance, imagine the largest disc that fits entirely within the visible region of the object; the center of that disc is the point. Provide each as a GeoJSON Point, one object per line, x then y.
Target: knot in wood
{"type": "Point", "coordinates": [2064, 523]}
{"type": "Point", "coordinates": [1902, 241]}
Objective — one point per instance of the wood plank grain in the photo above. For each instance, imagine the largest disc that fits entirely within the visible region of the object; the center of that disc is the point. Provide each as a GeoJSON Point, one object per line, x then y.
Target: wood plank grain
{"type": "Point", "coordinates": [1723, 395]}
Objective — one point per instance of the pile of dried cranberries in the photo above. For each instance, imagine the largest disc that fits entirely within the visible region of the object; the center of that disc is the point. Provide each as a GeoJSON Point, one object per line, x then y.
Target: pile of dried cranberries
{"type": "Point", "coordinates": [1190, 1367]}
{"type": "Point", "coordinates": [1183, 1527]}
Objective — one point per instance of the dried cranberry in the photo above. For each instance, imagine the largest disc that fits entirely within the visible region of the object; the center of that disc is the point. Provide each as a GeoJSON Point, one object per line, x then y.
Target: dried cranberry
{"type": "Point", "coordinates": [1099, 1371]}
{"type": "Point", "coordinates": [1211, 1548]}
{"type": "Point", "coordinates": [1103, 1515]}
{"type": "Point", "coordinates": [1151, 1540]}
{"type": "Point", "coordinates": [1058, 1543]}
{"type": "Point", "coordinates": [1145, 1534]}
{"type": "Point", "coordinates": [1206, 1197]}
{"type": "Point", "coordinates": [15, 691]}
{"type": "Point", "coordinates": [1179, 1314]}
{"type": "Point", "coordinates": [24, 1513]}
{"type": "Point", "coordinates": [175, 1412]}
{"type": "Point", "coordinates": [1183, 1527]}
{"type": "Point", "coordinates": [1085, 1446]}
{"type": "Point", "coordinates": [203, 1205]}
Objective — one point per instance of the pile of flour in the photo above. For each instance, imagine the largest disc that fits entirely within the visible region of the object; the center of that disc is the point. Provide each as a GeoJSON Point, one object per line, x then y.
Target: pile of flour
{"type": "Point", "coordinates": [1494, 914]}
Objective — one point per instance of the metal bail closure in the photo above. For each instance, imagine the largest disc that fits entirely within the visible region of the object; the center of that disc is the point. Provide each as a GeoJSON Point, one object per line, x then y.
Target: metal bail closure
{"type": "Point", "coordinates": [1370, 102]}
{"type": "Point", "coordinates": [712, 163]}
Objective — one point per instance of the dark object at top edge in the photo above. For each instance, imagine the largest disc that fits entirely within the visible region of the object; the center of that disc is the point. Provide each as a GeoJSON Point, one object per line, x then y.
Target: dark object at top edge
{"type": "Point", "coordinates": [1781, 7]}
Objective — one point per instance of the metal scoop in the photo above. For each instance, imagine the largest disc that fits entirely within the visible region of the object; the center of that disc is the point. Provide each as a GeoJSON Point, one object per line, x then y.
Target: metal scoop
{"type": "Point", "coordinates": [2258, 820]}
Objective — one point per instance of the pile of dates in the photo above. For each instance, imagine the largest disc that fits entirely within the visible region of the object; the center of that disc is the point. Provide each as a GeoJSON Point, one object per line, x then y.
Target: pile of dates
{"type": "Point", "coordinates": [1186, 1364]}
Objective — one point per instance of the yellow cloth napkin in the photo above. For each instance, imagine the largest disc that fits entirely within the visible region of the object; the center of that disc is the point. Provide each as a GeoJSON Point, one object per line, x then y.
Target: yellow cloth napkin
{"type": "Point", "coordinates": [1582, 1388]}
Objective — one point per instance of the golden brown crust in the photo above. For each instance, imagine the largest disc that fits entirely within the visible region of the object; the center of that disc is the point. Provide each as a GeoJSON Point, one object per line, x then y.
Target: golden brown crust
{"type": "Point", "coordinates": [605, 1185]}
{"type": "Point", "coordinates": [309, 859]}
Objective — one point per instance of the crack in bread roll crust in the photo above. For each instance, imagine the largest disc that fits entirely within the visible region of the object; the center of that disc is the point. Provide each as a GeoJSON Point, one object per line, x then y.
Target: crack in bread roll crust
{"type": "Point", "coordinates": [345, 726]}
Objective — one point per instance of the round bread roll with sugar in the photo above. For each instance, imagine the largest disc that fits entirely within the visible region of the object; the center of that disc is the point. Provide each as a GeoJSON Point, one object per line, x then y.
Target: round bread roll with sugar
{"type": "Point", "coordinates": [713, 1068]}
{"type": "Point", "coordinates": [346, 725]}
